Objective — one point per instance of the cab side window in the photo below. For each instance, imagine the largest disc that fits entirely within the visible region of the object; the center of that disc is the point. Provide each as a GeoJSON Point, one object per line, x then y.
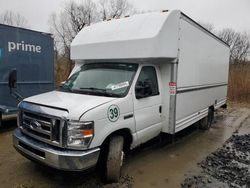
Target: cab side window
{"type": "Point", "coordinates": [147, 84]}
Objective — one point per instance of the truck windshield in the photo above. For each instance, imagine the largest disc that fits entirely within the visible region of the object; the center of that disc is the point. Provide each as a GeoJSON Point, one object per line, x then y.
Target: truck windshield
{"type": "Point", "coordinates": [104, 79]}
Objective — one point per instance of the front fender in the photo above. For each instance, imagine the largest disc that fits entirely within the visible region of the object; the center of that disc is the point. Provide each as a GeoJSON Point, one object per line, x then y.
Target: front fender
{"type": "Point", "coordinates": [104, 126]}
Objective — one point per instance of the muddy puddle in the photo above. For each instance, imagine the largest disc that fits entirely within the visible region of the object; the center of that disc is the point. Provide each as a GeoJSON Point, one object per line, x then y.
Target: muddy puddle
{"type": "Point", "coordinates": [158, 163]}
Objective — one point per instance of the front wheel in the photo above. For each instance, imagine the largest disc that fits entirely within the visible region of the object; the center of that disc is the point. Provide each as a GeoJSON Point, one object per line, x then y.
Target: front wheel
{"type": "Point", "coordinates": [1, 119]}
{"type": "Point", "coordinates": [114, 159]}
{"type": "Point", "coordinates": [207, 121]}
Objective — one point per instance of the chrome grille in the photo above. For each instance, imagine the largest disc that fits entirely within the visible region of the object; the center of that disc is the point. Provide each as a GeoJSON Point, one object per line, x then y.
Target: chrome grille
{"type": "Point", "coordinates": [41, 127]}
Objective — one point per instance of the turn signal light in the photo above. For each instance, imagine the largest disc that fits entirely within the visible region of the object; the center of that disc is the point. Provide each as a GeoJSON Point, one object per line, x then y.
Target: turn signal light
{"type": "Point", "coordinates": [87, 133]}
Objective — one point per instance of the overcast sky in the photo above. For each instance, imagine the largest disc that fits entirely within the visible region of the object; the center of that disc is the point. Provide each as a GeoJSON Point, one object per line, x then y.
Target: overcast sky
{"type": "Point", "coordinates": [221, 13]}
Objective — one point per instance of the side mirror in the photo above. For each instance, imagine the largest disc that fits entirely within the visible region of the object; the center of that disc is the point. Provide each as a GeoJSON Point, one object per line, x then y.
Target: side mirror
{"type": "Point", "coordinates": [62, 83]}
{"type": "Point", "coordinates": [12, 85]}
{"type": "Point", "coordinates": [143, 89]}
{"type": "Point", "coordinates": [12, 79]}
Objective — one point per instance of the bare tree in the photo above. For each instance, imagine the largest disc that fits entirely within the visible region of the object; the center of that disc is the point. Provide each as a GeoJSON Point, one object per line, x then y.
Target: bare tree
{"type": "Point", "coordinates": [74, 17]}
{"type": "Point", "coordinates": [239, 44]}
{"type": "Point", "coordinates": [208, 26]}
{"type": "Point", "coordinates": [65, 25]}
{"type": "Point", "coordinates": [15, 19]}
{"type": "Point", "coordinates": [114, 8]}
{"type": "Point", "coordinates": [70, 21]}
{"type": "Point", "coordinates": [81, 15]}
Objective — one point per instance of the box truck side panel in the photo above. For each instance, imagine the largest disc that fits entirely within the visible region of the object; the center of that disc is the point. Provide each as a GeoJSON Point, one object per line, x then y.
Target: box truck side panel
{"type": "Point", "coordinates": [203, 59]}
{"type": "Point", "coordinates": [165, 73]}
{"type": "Point", "coordinates": [202, 73]}
{"type": "Point", "coordinates": [31, 54]}
{"type": "Point", "coordinates": [192, 106]}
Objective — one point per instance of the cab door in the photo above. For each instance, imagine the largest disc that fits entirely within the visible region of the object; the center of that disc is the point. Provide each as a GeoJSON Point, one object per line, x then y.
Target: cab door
{"type": "Point", "coordinates": [147, 104]}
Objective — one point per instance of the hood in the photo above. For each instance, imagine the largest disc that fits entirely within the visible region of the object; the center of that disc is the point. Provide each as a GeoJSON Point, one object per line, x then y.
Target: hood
{"type": "Point", "coordinates": [75, 104]}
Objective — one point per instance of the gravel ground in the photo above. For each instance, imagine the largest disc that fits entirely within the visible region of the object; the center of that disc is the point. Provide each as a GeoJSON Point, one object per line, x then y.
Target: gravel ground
{"type": "Point", "coordinates": [228, 166]}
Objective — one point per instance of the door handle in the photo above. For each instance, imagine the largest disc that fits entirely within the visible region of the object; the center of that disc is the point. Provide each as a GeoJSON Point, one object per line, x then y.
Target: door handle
{"type": "Point", "coordinates": [160, 109]}
{"type": "Point", "coordinates": [128, 116]}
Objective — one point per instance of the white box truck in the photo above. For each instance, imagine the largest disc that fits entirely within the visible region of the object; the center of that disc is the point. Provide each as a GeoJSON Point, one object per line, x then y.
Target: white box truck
{"type": "Point", "coordinates": [134, 78]}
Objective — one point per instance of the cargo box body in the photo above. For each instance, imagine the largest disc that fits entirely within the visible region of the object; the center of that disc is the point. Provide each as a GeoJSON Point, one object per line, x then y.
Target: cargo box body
{"type": "Point", "coordinates": [202, 73]}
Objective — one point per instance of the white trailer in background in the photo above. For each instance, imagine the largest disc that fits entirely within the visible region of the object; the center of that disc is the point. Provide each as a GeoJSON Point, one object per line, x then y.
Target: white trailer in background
{"type": "Point", "coordinates": [134, 78]}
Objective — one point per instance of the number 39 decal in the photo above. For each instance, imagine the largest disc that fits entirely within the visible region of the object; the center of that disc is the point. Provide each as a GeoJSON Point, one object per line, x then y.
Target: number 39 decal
{"type": "Point", "coordinates": [113, 113]}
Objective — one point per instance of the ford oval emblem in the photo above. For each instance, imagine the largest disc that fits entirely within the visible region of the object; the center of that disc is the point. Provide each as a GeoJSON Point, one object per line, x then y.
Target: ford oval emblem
{"type": "Point", "coordinates": [35, 124]}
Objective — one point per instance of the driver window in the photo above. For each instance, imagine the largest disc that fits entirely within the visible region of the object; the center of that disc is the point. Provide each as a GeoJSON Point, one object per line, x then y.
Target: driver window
{"type": "Point", "coordinates": [148, 81]}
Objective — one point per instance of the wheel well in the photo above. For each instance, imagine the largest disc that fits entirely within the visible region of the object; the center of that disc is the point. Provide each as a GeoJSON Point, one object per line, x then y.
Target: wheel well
{"type": "Point", "coordinates": [211, 107]}
{"type": "Point", "coordinates": [126, 135]}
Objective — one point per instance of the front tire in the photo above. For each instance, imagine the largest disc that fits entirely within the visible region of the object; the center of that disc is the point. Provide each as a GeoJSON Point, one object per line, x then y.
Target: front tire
{"type": "Point", "coordinates": [1, 119]}
{"type": "Point", "coordinates": [114, 159]}
{"type": "Point", "coordinates": [207, 121]}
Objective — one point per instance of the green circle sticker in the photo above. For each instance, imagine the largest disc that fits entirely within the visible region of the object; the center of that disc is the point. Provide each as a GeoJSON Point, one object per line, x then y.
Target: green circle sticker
{"type": "Point", "coordinates": [113, 113]}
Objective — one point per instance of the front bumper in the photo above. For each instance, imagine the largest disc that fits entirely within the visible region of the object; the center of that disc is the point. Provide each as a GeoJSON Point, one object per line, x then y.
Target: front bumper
{"type": "Point", "coordinates": [62, 159]}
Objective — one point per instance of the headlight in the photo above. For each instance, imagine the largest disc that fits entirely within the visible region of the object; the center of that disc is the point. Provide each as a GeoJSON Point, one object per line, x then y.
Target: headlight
{"type": "Point", "coordinates": [80, 134]}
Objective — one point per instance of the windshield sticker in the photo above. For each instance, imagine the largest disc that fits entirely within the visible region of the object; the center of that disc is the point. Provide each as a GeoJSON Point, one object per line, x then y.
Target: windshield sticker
{"type": "Point", "coordinates": [118, 86]}
{"type": "Point", "coordinates": [113, 113]}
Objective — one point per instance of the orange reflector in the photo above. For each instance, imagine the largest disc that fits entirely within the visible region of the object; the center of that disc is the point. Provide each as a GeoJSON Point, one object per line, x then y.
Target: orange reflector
{"type": "Point", "coordinates": [87, 132]}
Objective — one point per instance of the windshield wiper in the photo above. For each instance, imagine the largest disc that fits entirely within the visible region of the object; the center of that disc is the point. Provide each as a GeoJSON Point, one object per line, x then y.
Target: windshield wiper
{"type": "Point", "coordinates": [101, 91]}
{"type": "Point", "coordinates": [93, 88]}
